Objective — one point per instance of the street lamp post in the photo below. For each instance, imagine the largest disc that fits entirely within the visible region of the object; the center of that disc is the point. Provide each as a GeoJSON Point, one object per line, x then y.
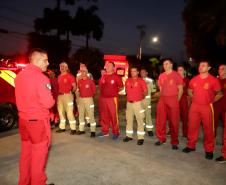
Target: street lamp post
{"type": "Point", "coordinates": [141, 28]}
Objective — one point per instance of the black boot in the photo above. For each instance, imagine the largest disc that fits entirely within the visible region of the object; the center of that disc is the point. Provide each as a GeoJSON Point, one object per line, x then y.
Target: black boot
{"type": "Point", "coordinates": [150, 133]}
{"type": "Point", "coordinates": [140, 142]}
{"type": "Point", "coordinates": [93, 134]}
{"type": "Point", "coordinates": [158, 143]}
{"type": "Point", "coordinates": [209, 155]}
{"type": "Point", "coordinates": [127, 139]}
{"type": "Point", "coordinates": [73, 132]}
{"type": "Point", "coordinates": [80, 132]}
{"type": "Point", "coordinates": [188, 150]}
{"type": "Point", "coordinates": [60, 130]}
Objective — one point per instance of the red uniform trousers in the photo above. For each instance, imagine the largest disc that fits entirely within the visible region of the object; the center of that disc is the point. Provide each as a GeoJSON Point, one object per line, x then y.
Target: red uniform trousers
{"type": "Point", "coordinates": [100, 106]}
{"type": "Point", "coordinates": [198, 114]}
{"type": "Point", "coordinates": [35, 141]}
{"type": "Point", "coordinates": [223, 150]}
{"type": "Point", "coordinates": [168, 107]}
{"type": "Point", "coordinates": [110, 115]}
{"type": "Point", "coordinates": [184, 114]}
{"type": "Point", "coordinates": [219, 112]}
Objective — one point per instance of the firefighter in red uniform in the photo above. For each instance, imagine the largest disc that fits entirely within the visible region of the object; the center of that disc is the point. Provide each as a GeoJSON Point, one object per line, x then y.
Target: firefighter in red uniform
{"type": "Point", "coordinates": [204, 89]}
{"type": "Point", "coordinates": [87, 89]}
{"type": "Point", "coordinates": [103, 72]}
{"type": "Point", "coordinates": [222, 159]}
{"type": "Point", "coordinates": [110, 85]}
{"type": "Point", "coordinates": [171, 89]}
{"type": "Point", "coordinates": [65, 101]}
{"type": "Point", "coordinates": [220, 106]}
{"type": "Point", "coordinates": [33, 100]}
{"type": "Point", "coordinates": [78, 76]}
{"type": "Point", "coordinates": [184, 106]}
{"type": "Point", "coordinates": [54, 116]}
{"type": "Point", "coordinates": [136, 90]}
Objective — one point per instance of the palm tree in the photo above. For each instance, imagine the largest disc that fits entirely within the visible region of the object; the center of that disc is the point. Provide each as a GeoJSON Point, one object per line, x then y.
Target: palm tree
{"type": "Point", "coordinates": [54, 19]}
{"type": "Point", "coordinates": [87, 23]}
{"type": "Point", "coordinates": [205, 29]}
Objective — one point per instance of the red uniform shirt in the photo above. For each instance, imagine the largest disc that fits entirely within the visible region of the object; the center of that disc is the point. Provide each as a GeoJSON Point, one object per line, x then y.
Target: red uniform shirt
{"type": "Point", "coordinates": [204, 89]}
{"type": "Point", "coordinates": [185, 86]}
{"type": "Point", "coordinates": [54, 87]}
{"type": "Point", "coordinates": [33, 93]}
{"type": "Point", "coordinates": [86, 87]}
{"type": "Point", "coordinates": [65, 82]}
{"type": "Point", "coordinates": [222, 102]}
{"type": "Point", "coordinates": [110, 85]}
{"type": "Point", "coordinates": [135, 89]}
{"type": "Point", "coordinates": [168, 83]}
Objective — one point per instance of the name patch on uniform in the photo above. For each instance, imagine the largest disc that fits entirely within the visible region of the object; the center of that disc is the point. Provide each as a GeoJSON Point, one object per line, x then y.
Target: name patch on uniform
{"type": "Point", "coordinates": [48, 86]}
{"type": "Point", "coordinates": [87, 86]}
{"type": "Point", "coordinates": [112, 81]}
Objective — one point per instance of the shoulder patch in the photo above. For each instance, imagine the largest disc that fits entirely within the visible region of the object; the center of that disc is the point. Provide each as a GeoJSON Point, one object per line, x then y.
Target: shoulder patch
{"type": "Point", "coordinates": [48, 86]}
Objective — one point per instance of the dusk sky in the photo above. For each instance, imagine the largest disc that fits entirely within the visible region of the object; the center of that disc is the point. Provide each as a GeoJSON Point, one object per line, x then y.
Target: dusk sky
{"type": "Point", "coordinates": [162, 18]}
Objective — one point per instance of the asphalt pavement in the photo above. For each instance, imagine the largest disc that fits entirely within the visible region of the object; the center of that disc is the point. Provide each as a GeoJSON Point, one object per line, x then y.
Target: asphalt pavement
{"type": "Point", "coordinates": [81, 160]}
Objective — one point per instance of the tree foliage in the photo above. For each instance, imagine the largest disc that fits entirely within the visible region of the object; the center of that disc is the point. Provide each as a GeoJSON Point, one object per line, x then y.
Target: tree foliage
{"type": "Point", "coordinates": [91, 57]}
{"type": "Point", "coordinates": [57, 49]}
{"type": "Point", "coordinates": [205, 29]}
{"type": "Point", "coordinates": [54, 19]}
{"type": "Point", "coordinates": [88, 23]}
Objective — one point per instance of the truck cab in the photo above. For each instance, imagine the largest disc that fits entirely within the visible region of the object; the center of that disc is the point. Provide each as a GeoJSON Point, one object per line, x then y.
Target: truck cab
{"type": "Point", "coordinates": [8, 111]}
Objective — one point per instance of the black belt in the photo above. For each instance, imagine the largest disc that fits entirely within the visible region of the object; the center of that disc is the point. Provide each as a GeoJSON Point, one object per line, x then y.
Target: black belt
{"type": "Point", "coordinates": [133, 101]}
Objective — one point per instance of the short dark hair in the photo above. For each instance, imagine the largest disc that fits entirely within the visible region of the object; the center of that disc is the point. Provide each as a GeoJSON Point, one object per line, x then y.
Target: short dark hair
{"type": "Point", "coordinates": [134, 67]}
{"type": "Point", "coordinates": [39, 50]}
{"type": "Point", "coordinates": [167, 59]}
{"type": "Point", "coordinates": [112, 63]}
{"type": "Point", "coordinates": [205, 61]}
{"type": "Point", "coordinates": [221, 64]}
{"type": "Point", "coordinates": [143, 69]}
{"type": "Point", "coordinates": [180, 65]}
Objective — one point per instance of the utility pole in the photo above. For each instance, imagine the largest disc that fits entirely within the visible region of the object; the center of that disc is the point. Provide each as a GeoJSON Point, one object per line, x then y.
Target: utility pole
{"type": "Point", "coordinates": [141, 28]}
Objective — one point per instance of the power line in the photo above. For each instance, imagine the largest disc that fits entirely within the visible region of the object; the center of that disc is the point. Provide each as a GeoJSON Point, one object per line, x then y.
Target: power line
{"type": "Point", "coordinates": [19, 12]}
{"type": "Point", "coordinates": [16, 21]}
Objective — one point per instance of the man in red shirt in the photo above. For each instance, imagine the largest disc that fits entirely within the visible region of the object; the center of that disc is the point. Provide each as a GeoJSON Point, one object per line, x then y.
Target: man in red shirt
{"type": "Point", "coordinates": [205, 90]}
{"type": "Point", "coordinates": [65, 103]}
{"type": "Point", "coordinates": [184, 100]}
{"type": "Point", "coordinates": [136, 90]}
{"type": "Point", "coordinates": [146, 102]}
{"type": "Point", "coordinates": [87, 89]}
{"type": "Point", "coordinates": [100, 100]}
{"type": "Point", "coordinates": [220, 106]}
{"type": "Point", "coordinates": [220, 109]}
{"type": "Point", "coordinates": [33, 100]}
{"type": "Point", "coordinates": [110, 85]}
{"type": "Point", "coordinates": [78, 76]}
{"type": "Point", "coordinates": [54, 116]}
{"type": "Point", "coordinates": [171, 89]}
{"type": "Point", "coordinates": [222, 158]}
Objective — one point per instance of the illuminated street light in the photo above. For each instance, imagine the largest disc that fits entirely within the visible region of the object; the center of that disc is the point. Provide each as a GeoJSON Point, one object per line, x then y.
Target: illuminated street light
{"type": "Point", "coordinates": [155, 39]}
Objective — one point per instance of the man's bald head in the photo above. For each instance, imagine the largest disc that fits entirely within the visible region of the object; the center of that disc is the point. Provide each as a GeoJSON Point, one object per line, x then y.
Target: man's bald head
{"type": "Point", "coordinates": [39, 58]}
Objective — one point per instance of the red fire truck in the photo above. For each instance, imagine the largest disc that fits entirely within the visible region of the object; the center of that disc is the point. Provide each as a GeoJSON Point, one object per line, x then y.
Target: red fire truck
{"type": "Point", "coordinates": [8, 111]}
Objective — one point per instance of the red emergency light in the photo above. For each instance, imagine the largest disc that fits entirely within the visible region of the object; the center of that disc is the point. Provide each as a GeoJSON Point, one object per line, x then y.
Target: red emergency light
{"type": "Point", "coordinates": [114, 57]}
